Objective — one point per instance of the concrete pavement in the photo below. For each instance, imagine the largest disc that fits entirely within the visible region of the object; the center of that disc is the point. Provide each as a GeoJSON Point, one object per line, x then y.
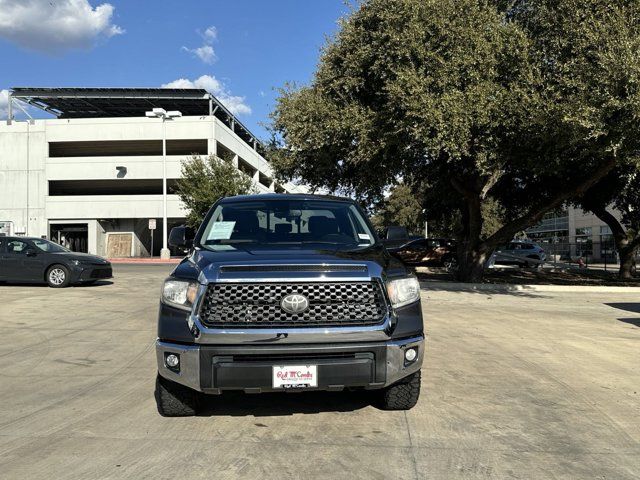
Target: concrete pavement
{"type": "Point", "coordinates": [516, 384]}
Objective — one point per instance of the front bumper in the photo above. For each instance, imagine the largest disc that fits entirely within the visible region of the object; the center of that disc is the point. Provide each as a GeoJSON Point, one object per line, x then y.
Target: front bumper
{"type": "Point", "coordinates": [212, 369]}
{"type": "Point", "coordinates": [90, 273]}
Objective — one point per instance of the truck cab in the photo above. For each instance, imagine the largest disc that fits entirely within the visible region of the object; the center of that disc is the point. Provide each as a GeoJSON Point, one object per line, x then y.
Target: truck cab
{"type": "Point", "coordinates": [287, 292]}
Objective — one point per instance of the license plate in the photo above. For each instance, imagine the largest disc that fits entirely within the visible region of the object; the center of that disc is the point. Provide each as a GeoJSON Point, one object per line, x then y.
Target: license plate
{"type": "Point", "coordinates": [295, 376]}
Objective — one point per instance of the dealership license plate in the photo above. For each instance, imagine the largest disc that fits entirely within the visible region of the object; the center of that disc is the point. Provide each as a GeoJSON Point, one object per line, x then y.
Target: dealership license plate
{"type": "Point", "coordinates": [295, 376]}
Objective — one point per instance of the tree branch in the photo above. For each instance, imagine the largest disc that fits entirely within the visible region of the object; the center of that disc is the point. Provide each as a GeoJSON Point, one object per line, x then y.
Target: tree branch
{"type": "Point", "coordinates": [614, 224]}
{"type": "Point", "coordinates": [490, 183]}
{"type": "Point", "coordinates": [535, 215]}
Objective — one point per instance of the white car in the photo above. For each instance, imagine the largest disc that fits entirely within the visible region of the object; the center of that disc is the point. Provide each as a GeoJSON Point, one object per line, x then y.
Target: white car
{"type": "Point", "coordinates": [522, 253]}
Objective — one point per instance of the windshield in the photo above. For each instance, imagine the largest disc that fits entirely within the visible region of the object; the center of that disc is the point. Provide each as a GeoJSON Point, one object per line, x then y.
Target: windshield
{"type": "Point", "coordinates": [50, 247]}
{"type": "Point", "coordinates": [286, 222]}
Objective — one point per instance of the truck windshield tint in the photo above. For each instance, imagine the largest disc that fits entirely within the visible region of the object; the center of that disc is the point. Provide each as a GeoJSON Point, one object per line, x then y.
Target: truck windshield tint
{"type": "Point", "coordinates": [287, 223]}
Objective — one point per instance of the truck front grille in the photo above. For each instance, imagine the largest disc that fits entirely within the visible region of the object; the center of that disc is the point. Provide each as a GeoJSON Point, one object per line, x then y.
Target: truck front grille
{"type": "Point", "coordinates": [241, 305]}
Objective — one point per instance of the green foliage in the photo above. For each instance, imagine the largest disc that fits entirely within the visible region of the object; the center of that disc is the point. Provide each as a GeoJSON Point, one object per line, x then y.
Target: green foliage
{"type": "Point", "coordinates": [204, 181]}
{"type": "Point", "coordinates": [401, 207]}
{"type": "Point", "coordinates": [520, 105]}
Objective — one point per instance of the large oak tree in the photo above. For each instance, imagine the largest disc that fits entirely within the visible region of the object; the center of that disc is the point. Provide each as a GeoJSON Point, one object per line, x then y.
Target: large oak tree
{"type": "Point", "coordinates": [524, 103]}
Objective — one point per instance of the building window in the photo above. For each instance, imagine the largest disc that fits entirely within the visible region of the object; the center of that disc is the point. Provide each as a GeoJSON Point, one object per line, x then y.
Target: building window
{"type": "Point", "coordinates": [607, 242]}
{"type": "Point", "coordinates": [110, 187]}
{"type": "Point", "coordinates": [584, 243]}
{"type": "Point", "coordinates": [127, 148]}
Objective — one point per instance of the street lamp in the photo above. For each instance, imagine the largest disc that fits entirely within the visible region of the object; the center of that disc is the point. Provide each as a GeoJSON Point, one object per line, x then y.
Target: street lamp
{"type": "Point", "coordinates": [164, 115]}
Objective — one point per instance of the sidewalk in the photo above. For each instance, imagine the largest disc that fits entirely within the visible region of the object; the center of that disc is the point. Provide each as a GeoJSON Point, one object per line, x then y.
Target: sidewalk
{"type": "Point", "coordinates": [145, 261]}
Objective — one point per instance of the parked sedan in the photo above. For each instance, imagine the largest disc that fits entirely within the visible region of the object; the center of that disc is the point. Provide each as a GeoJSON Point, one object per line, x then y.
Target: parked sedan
{"type": "Point", "coordinates": [425, 251]}
{"type": "Point", "coordinates": [35, 260]}
{"type": "Point", "coordinates": [524, 254]}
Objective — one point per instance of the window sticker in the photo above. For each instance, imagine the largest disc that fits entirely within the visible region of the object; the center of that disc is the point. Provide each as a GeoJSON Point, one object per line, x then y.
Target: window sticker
{"type": "Point", "coordinates": [221, 230]}
{"type": "Point", "coordinates": [364, 236]}
{"type": "Point", "coordinates": [223, 248]}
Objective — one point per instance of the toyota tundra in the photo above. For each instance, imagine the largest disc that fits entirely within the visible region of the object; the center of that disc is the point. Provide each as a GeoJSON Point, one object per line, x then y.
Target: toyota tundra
{"type": "Point", "coordinates": [287, 292]}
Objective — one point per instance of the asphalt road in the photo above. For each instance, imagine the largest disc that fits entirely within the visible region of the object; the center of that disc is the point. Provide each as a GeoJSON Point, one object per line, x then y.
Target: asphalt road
{"type": "Point", "coordinates": [514, 386]}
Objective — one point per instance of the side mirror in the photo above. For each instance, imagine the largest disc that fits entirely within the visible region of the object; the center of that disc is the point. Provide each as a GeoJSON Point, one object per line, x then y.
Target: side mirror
{"type": "Point", "coordinates": [181, 237]}
{"type": "Point", "coordinates": [31, 252]}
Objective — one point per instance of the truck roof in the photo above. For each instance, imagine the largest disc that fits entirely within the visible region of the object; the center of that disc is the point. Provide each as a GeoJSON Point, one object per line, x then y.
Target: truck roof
{"type": "Point", "coordinates": [285, 196]}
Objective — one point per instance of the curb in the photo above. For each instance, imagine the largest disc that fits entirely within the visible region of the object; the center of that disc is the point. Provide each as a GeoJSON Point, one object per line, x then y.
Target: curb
{"type": "Point", "coordinates": [509, 287]}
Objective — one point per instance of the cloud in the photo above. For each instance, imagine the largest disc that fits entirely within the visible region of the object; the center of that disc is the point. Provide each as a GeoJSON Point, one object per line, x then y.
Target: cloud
{"type": "Point", "coordinates": [234, 103]}
{"type": "Point", "coordinates": [53, 26]}
{"type": "Point", "coordinates": [4, 103]}
{"type": "Point", "coordinates": [209, 35]}
{"type": "Point", "coordinates": [205, 52]}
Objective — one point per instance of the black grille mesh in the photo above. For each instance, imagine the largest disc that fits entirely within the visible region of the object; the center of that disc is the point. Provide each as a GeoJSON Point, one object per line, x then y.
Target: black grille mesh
{"type": "Point", "coordinates": [258, 304]}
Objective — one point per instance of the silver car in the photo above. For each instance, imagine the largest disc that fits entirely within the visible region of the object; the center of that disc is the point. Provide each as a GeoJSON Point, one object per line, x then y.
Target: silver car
{"type": "Point", "coordinates": [522, 253]}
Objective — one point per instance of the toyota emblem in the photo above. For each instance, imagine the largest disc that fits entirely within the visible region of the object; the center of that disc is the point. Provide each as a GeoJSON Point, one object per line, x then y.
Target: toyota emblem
{"type": "Point", "coordinates": [294, 303]}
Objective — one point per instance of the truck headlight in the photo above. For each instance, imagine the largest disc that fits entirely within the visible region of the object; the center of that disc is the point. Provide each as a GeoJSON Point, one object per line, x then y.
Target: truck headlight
{"type": "Point", "coordinates": [179, 293]}
{"type": "Point", "coordinates": [403, 291]}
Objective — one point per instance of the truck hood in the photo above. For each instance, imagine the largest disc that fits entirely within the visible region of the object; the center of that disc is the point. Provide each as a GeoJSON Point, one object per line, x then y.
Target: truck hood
{"type": "Point", "coordinates": [208, 266]}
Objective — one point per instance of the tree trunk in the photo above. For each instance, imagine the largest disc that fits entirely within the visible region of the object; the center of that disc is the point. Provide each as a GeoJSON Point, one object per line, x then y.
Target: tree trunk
{"type": "Point", "coordinates": [471, 254]}
{"type": "Point", "coordinates": [626, 247]}
{"type": "Point", "coordinates": [626, 262]}
{"type": "Point", "coordinates": [472, 268]}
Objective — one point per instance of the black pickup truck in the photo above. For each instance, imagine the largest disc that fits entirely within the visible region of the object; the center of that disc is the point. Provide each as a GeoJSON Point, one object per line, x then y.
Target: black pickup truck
{"type": "Point", "coordinates": [287, 292]}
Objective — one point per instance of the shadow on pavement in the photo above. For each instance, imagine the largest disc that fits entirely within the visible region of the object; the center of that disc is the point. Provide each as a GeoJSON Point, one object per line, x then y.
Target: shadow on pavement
{"type": "Point", "coordinates": [238, 404]}
{"type": "Point", "coordinates": [626, 306]}
{"type": "Point", "coordinates": [632, 321]}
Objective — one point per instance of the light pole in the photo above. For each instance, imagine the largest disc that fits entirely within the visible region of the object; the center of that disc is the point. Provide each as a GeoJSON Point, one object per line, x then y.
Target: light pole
{"type": "Point", "coordinates": [164, 115]}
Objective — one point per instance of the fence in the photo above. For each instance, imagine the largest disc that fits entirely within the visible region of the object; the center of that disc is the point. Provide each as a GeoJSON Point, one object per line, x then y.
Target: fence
{"type": "Point", "coordinates": [583, 254]}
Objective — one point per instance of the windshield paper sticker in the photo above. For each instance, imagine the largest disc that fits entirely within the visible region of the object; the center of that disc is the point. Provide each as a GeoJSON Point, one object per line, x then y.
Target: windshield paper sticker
{"type": "Point", "coordinates": [363, 236]}
{"type": "Point", "coordinates": [221, 230]}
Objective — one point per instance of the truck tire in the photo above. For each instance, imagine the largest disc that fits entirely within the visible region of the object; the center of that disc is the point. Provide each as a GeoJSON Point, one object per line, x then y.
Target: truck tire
{"type": "Point", "coordinates": [403, 395]}
{"type": "Point", "coordinates": [58, 276]}
{"type": "Point", "coordinates": [175, 400]}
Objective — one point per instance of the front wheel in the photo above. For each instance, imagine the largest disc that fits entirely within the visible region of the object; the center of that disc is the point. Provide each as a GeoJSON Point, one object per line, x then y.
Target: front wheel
{"type": "Point", "coordinates": [58, 276]}
{"type": "Point", "coordinates": [403, 395]}
{"type": "Point", "coordinates": [175, 400]}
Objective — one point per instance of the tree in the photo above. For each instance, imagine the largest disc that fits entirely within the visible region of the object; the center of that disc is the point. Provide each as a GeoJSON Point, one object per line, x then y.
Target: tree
{"type": "Point", "coordinates": [402, 208]}
{"type": "Point", "coordinates": [621, 190]}
{"type": "Point", "coordinates": [204, 181]}
{"type": "Point", "coordinates": [525, 106]}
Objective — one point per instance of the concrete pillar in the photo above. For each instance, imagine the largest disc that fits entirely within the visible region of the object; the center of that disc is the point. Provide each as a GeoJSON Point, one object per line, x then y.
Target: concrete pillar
{"type": "Point", "coordinates": [10, 110]}
{"type": "Point", "coordinates": [212, 143]}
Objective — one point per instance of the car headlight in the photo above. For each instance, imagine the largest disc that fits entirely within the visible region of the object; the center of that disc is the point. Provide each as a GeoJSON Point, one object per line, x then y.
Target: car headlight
{"type": "Point", "coordinates": [179, 293]}
{"type": "Point", "coordinates": [403, 291]}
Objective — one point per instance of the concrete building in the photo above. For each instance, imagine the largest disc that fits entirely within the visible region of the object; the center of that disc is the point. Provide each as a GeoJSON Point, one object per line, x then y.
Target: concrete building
{"type": "Point", "coordinates": [91, 178]}
{"type": "Point", "coordinates": [572, 232]}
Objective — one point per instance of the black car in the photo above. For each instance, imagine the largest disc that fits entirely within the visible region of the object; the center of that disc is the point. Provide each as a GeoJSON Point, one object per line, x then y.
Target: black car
{"type": "Point", "coordinates": [36, 260]}
{"type": "Point", "coordinates": [283, 292]}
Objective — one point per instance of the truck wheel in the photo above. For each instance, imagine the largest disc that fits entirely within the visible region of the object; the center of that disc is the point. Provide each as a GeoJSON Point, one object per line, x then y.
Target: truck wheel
{"type": "Point", "coordinates": [58, 276]}
{"type": "Point", "coordinates": [403, 395]}
{"type": "Point", "coordinates": [175, 400]}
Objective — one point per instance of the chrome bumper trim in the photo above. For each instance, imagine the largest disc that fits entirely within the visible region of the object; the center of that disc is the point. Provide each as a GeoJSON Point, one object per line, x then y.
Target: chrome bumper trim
{"type": "Point", "coordinates": [190, 361]}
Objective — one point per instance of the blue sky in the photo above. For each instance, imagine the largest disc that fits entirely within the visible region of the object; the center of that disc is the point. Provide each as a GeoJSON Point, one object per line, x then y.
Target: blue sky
{"type": "Point", "coordinates": [240, 49]}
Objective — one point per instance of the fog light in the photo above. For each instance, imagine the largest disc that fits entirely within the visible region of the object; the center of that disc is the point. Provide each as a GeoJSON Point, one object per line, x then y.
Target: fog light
{"type": "Point", "coordinates": [172, 360]}
{"type": "Point", "coordinates": [410, 354]}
